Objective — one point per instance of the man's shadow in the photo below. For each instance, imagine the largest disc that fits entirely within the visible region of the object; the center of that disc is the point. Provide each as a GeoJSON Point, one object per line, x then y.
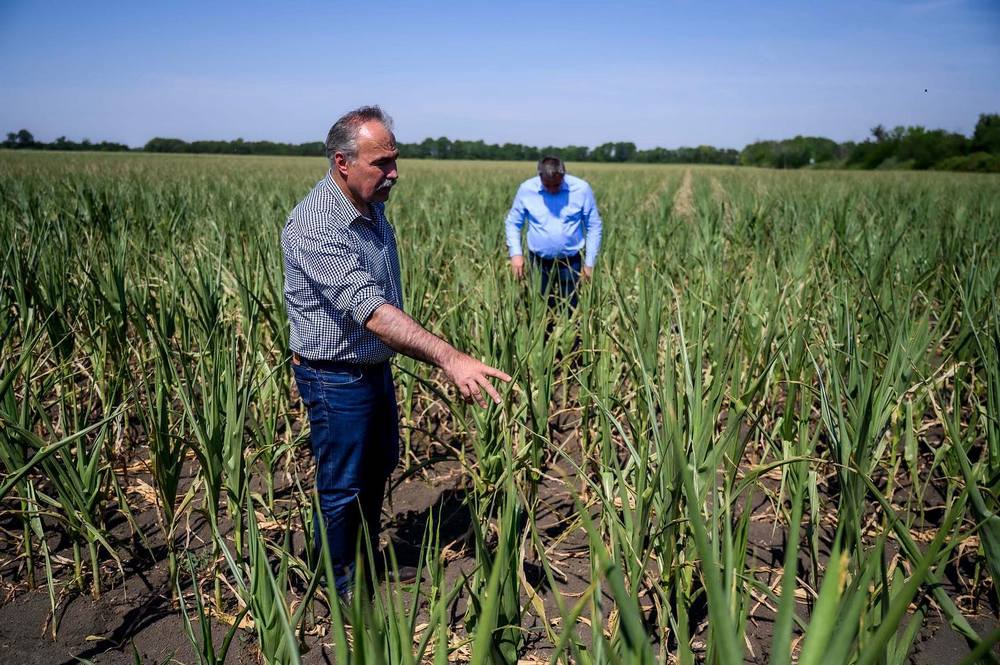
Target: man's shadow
{"type": "Point", "coordinates": [452, 520]}
{"type": "Point", "coordinates": [449, 516]}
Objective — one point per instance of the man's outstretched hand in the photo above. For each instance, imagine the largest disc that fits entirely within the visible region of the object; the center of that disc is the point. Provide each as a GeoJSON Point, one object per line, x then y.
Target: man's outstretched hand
{"type": "Point", "coordinates": [401, 333]}
{"type": "Point", "coordinates": [472, 378]}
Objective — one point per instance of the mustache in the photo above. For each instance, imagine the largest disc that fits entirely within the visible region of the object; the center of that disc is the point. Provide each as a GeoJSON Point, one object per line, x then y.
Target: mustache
{"type": "Point", "coordinates": [388, 184]}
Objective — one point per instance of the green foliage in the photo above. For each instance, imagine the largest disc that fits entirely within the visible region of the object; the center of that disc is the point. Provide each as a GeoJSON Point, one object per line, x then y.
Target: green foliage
{"type": "Point", "coordinates": [703, 154]}
{"type": "Point", "coordinates": [791, 153]}
{"type": "Point", "coordinates": [439, 148]}
{"type": "Point", "coordinates": [614, 152]}
{"type": "Point", "coordinates": [922, 147]}
{"type": "Point", "coordinates": [977, 162]}
{"type": "Point", "coordinates": [986, 136]}
{"type": "Point", "coordinates": [237, 147]}
{"type": "Point", "coordinates": [901, 148]}
{"type": "Point", "coordinates": [25, 139]}
{"type": "Point", "coordinates": [809, 356]}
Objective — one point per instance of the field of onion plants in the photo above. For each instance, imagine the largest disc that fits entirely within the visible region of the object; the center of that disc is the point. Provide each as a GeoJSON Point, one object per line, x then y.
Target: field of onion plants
{"type": "Point", "coordinates": [769, 434]}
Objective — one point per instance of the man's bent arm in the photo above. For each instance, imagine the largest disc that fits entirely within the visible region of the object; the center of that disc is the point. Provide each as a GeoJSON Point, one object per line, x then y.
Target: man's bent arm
{"type": "Point", "coordinates": [402, 333]}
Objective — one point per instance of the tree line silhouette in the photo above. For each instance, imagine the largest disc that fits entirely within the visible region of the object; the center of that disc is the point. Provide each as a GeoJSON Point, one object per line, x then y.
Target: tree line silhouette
{"type": "Point", "coordinates": [901, 148]}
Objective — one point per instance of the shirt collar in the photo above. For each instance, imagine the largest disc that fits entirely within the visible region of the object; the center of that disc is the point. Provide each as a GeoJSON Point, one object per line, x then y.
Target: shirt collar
{"type": "Point", "coordinates": [541, 188]}
{"type": "Point", "coordinates": [343, 202]}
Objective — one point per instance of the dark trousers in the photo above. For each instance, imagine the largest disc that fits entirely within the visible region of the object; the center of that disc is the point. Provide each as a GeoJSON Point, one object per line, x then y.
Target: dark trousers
{"type": "Point", "coordinates": [560, 278]}
{"type": "Point", "coordinates": [353, 422]}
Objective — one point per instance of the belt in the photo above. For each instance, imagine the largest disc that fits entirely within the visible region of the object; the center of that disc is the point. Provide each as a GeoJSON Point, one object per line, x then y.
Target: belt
{"type": "Point", "coordinates": [332, 365]}
{"type": "Point", "coordinates": [554, 259]}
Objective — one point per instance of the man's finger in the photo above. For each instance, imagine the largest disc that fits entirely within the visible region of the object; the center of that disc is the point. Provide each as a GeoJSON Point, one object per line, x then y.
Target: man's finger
{"type": "Point", "coordinates": [500, 374]}
{"type": "Point", "coordinates": [470, 391]}
{"type": "Point", "coordinates": [485, 383]}
{"type": "Point", "coordinates": [478, 395]}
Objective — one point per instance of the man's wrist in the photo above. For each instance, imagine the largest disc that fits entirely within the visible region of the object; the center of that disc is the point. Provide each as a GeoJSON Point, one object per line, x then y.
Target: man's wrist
{"type": "Point", "coordinates": [447, 355]}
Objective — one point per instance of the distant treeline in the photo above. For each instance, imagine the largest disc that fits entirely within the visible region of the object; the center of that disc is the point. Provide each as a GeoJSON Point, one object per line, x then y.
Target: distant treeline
{"type": "Point", "coordinates": [444, 148]}
{"type": "Point", "coordinates": [237, 147]}
{"type": "Point", "coordinates": [898, 148]}
{"type": "Point", "coordinates": [24, 139]}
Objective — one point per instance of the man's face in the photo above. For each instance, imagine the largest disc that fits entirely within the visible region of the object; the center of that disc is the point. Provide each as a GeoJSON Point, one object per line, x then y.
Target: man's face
{"type": "Point", "coordinates": [553, 183]}
{"type": "Point", "coordinates": [373, 172]}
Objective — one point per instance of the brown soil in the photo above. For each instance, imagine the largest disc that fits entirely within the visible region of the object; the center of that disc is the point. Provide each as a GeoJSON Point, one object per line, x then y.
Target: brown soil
{"type": "Point", "coordinates": [136, 613]}
{"type": "Point", "coordinates": [684, 198]}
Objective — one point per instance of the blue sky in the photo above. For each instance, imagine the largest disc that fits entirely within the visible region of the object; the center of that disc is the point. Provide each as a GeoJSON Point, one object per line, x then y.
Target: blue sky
{"type": "Point", "coordinates": [657, 73]}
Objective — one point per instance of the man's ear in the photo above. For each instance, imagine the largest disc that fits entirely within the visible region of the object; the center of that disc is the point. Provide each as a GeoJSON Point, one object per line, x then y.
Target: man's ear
{"type": "Point", "coordinates": [340, 163]}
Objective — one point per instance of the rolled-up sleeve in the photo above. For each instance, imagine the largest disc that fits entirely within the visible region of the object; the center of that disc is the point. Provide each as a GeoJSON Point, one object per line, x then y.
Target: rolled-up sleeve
{"type": "Point", "coordinates": [334, 267]}
{"type": "Point", "coordinates": [513, 224]}
{"type": "Point", "coordinates": [594, 226]}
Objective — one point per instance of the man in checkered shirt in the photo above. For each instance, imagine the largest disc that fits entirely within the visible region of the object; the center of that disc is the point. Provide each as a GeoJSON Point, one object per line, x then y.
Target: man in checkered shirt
{"type": "Point", "coordinates": [345, 308]}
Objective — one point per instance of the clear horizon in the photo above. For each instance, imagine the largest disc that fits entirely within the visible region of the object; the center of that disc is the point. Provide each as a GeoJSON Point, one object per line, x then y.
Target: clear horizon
{"type": "Point", "coordinates": [656, 74]}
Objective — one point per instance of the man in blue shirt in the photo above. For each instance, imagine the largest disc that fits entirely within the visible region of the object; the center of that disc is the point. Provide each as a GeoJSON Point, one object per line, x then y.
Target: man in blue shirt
{"type": "Point", "coordinates": [562, 220]}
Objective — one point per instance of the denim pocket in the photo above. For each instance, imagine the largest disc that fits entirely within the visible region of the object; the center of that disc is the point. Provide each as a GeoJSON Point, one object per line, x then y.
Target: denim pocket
{"type": "Point", "coordinates": [342, 378]}
{"type": "Point", "coordinates": [304, 374]}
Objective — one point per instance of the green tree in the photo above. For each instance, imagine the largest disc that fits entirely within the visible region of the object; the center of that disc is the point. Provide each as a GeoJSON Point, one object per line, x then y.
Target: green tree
{"type": "Point", "coordinates": [986, 136]}
{"type": "Point", "coordinates": [24, 139]}
{"type": "Point", "coordinates": [165, 145]}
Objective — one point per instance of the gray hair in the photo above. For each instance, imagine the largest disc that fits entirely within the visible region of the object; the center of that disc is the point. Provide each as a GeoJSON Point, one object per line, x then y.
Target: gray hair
{"type": "Point", "coordinates": [343, 136]}
{"type": "Point", "coordinates": [550, 166]}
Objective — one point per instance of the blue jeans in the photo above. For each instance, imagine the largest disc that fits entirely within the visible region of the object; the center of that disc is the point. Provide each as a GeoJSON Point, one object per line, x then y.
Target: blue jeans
{"type": "Point", "coordinates": [354, 430]}
{"type": "Point", "coordinates": [560, 278]}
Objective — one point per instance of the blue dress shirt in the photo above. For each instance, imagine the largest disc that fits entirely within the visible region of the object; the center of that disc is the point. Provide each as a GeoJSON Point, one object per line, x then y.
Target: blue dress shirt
{"type": "Point", "coordinates": [558, 223]}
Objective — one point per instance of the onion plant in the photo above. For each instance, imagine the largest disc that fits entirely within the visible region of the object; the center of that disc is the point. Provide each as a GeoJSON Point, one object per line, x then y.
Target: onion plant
{"type": "Point", "coordinates": [778, 399]}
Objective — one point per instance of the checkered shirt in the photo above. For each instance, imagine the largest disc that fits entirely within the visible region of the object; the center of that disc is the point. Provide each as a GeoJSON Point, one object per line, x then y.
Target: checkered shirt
{"type": "Point", "coordinates": [339, 268]}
